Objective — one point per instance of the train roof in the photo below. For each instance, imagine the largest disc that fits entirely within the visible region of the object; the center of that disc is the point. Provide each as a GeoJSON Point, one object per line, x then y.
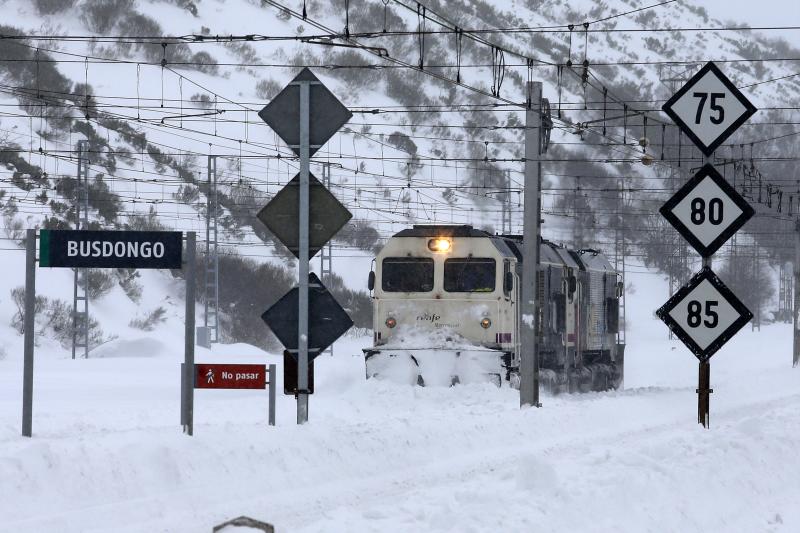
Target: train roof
{"type": "Point", "coordinates": [550, 252]}
{"type": "Point", "coordinates": [442, 230]}
{"type": "Point", "coordinates": [594, 260]}
{"type": "Point", "coordinates": [567, 258]}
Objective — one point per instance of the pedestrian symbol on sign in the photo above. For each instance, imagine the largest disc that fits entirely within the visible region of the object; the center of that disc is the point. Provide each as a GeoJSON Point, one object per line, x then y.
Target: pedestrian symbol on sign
{"type": "Point", "coordinates": [210, 376]}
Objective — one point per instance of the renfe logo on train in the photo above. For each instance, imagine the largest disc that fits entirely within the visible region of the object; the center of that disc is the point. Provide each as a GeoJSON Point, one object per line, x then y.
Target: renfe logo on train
{"type": "Point", "coordinates": [110, 249]}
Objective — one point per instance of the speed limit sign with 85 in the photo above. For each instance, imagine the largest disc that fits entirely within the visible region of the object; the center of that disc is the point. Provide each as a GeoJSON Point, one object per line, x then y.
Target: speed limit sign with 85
{"type": "Point", "coordinates": [704, 314]}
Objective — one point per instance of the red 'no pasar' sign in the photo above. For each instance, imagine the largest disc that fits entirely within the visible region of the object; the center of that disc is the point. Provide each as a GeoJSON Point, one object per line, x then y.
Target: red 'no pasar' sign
{"type": "Point", "coordinates": [209, 376]}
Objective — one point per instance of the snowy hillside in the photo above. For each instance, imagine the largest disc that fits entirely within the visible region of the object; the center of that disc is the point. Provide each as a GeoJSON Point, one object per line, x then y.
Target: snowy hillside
{"type": "Point", "coordinates": [152, 109]}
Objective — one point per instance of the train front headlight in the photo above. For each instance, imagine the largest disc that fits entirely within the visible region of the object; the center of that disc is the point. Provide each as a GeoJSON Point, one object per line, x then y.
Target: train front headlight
{"type": "Point", "coordinates": [439, 245]}
{"type": "Point", "coordinates": [486, 323]}
{"type": "Point", "coordinates": [391, 322]}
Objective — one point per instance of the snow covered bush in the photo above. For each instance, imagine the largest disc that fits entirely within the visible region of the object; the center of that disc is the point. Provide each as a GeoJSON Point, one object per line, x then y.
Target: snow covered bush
{"type": "Point", "coordinates": [100, 283]}
{"type": "Point", "coordinates": [48, 7]}
{"type": "Point", "coordinates": [145, 222]}
{"type": "Point", "coordinates": [150, 321]}
{"type": "Point", "coordinates": [101, 15]}
{"type": "Point", "coordinates": [267, 89]}
{"type": "Point", "coordinates": [128, 280]}
{"type": "Point", "coordinates": [249, 288]}
{"type": "Point", "coordinates": [53, 319]}
{"type": "Point", "coordinates": [359, 233]}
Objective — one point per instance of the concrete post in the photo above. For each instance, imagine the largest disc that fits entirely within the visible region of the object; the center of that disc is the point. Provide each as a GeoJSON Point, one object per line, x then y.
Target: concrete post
{"type": "Point", "coordinates": [529, 357]}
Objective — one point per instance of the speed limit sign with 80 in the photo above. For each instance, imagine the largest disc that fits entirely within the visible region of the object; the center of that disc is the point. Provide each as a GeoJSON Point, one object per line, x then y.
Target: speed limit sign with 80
{"type": "Point", "coordinates": [707, 211]}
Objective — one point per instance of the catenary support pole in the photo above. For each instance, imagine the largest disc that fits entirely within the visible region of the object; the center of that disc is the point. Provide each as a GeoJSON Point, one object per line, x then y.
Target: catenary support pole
{"type": "Point", "coordinates": [188, 365]}
{"type": "Point", "coordinates": [29, 325]}
{"type": "Point", "coordinates": [529, 356]}
{"type": "Point", "coordinates": [326, 252]}
{"type": "Point", "coordinates": [302, 321]}
{"type": "Point", "coordinates": [80, 294]}
{"type": "Point", "coordinates": [796, 284]}
{"type": "Point", "coordinates": [211, 307]}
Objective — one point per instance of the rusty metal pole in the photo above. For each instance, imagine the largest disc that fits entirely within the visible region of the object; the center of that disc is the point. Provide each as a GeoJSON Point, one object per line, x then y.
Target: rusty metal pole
{"type": "Point", "coordinates": [704, 389]}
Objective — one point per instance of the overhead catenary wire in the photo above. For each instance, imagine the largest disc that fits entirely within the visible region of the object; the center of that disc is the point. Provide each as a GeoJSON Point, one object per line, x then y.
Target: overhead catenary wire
{"type": "Point", "coordinates": [399, 159]}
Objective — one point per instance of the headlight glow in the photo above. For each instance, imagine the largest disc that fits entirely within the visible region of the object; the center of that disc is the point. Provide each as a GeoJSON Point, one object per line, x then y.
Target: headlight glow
{"type": "Point", "coordinates": [486, 323]}
{"type": "Point", "coordinates": [391, 322]}
{"type": "Point", "coordinates": [439, 245]}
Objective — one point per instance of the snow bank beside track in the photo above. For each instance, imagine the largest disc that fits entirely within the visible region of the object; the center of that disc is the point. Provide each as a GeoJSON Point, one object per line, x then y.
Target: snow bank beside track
{"type": "Point", "coordinates": [108, 454]}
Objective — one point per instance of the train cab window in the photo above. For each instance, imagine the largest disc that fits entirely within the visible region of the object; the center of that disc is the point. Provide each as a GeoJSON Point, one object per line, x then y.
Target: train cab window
{"type": "Point", "coordinates": [407, 274]}
{"type": "Point", "coordinates": [470, 275]}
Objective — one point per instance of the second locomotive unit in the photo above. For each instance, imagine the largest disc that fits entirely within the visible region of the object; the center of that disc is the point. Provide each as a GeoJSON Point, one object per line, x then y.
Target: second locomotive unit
{"type": "Point", "coordinates": [446, 309]}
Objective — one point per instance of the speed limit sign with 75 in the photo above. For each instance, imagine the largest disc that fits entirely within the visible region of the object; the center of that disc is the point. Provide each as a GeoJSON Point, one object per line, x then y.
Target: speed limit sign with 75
{"type": "Point", "coordinates": [704, 314]}
{"type": "Point", "coordinates": [707, 211]}
{"type": "Point", "coordinates": [709, 108]}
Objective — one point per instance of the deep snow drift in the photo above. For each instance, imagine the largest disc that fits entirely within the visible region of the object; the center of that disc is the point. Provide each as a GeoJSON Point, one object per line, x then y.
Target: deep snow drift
{"type": "Point", "coordinates": [108, 454]}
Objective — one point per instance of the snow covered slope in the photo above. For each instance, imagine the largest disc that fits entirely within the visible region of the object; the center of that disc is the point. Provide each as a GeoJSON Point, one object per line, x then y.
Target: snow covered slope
{"type": "Point", "coordinates": [151, 126]}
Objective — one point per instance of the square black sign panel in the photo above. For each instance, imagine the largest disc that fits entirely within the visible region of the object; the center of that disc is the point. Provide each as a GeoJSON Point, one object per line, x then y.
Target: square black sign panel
{"type": "Point", "coordinates": [326, 215]}
{"type": "Point", "coordinates": [326, 113]}
{"type": "Point", "coordinates": [327, 321]}
{"type": "Point", "coordinates": [707, 211]}
{"type": "Point", "coordinates": [709, 108]}
{"type": "Point", "coordinates": [704, 314]}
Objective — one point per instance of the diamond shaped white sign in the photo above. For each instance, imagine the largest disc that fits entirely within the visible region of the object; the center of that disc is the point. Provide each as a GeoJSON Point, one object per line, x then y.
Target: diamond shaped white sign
{"type": "Point", "coordinates": [707, 211]}
{"type": "Point", "coordinates": [704, 314]}
{"type": "Point", "coordinates": [709, 108]}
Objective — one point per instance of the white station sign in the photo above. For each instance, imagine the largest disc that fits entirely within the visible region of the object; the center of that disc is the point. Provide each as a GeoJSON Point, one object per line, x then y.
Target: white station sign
{"type": "Point", "coordinates": [709, 108]}
{"type": "Point", "coordinates": [704, 314]}
{"type": "Point", "coordinates": [707, 211]}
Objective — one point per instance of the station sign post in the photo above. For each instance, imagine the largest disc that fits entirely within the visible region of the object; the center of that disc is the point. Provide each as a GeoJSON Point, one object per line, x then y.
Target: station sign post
{"type": "Point", "coordinates": [237, 376]}
{"type": "Point", "coordinates": [107, 249]}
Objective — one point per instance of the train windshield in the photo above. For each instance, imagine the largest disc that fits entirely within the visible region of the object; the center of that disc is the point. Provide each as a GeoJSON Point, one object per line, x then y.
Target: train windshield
{"type": "Point", "coordinates": [407, 274]}
{"type": "Point", "coordinates": [469, 275]}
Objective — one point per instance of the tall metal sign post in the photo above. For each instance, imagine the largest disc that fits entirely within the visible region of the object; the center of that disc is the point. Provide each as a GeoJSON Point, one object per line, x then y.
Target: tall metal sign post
{"type": "Point", "coordinates": [305, 114]}
{"type": "Point", "coordinates": [704, 314]}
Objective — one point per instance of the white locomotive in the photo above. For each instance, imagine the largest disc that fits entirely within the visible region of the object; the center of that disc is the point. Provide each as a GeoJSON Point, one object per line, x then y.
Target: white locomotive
{"type": "Point", "coordinates": [446, 310]}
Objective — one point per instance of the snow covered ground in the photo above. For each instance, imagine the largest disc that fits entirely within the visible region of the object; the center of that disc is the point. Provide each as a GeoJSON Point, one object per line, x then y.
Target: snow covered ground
{"type": "Point", "coordinates": [108, 453]}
